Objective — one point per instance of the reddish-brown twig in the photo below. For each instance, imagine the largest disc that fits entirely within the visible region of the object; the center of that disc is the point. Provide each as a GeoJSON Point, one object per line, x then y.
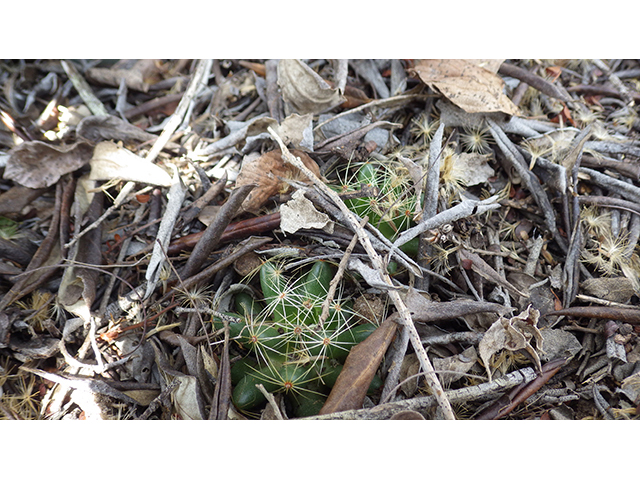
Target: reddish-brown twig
{"type": "Point", "coordinates": [507, 403]}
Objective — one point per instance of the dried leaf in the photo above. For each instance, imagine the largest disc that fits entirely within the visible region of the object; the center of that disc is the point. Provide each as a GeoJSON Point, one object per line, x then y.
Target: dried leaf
{"type": "Point", "coordinates": [559, 344]}
{"type": "Point", "coordinates": [18, 197]}
{"type": "Point", "coordinates": [299, 212]}
{"type": "Point", "coordinates": [304, 89]}
{"type": "Point", "coordinates": [40, 165]}
{"type": "Point", "coordinates": [111, 161]}
{"type": "Point", "coordinates": [614, 289]}
{"type": "Point", "coordinates": [410, 367]}
{"type": "Point", "coordinates": [631, 387]}
{"type": "Point", "coordinates": [297, 131]}
{"type": "Point", "coordinates": [468, 85]}
{"type": "Point", "coordinates": [359, 369]}
{"type": "Point", "coordinates": [451, 369]}
{"type": "Point", "coordinates": [78, 286]}
{"type": "Point", "coordinates": [186, 398]}
{"type": "Point", "coordinates": [139, 77]}
{"type": "Point", "coordinates": [472, 168]}
{"type": "Point", "coordinates": [98, 128]}
{"type": "Point", "coordinates": [512, 334]}
{"type": "Point", "coordinates": [266, 171]}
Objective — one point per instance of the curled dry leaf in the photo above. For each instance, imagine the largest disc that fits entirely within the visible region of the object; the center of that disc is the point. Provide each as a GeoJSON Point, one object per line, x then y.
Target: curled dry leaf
{"type": "Point", "coordinates": [470, 86]}
{"type": "Point", "coordinates": [112, 161]}
{"type": "Point", "coordinates": [305, 90]}
{"type": "Point", "coordinates": [512, 334]}
{"type": "Point", "coordinates": [40, 165]}
{"type": "Point", "coordinates": [267, 172]}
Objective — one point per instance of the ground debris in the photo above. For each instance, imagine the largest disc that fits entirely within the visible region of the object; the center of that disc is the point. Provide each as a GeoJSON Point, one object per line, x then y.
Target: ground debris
{"type": "Point", "coordinates": [172, 232]}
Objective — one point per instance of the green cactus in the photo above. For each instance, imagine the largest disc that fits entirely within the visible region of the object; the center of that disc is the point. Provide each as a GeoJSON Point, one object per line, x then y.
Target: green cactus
{"type": "Point", "coordinates": [288, 348]}
{"type": "Point", "coordinates": [392, 206]}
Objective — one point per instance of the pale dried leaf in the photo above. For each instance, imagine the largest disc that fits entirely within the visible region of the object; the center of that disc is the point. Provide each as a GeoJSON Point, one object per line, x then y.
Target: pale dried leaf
{"type": "Point", "coordinates": [186, 398]}
{"type": "Point", "coordinates": [297, 131]}
{"type": "Point", "coordinates": [267, 172]}
{"type": "Point", "coordinates": [40, 165]}
{"type": "Point", "coordinates": [614, 289]}
{"type": "Point", "coordinates": [111, 161]}
{"type": "Point", "coordinates": [512, 334]}
{"type": "Point", "coordinates": [472, 168]}
{"type": "Point", "coordinates": [299, 212]}
{"type": "Point", "coordinates": [469, 86]}
{"type": "Point", "coordinates": [558, 344]}
{"type": "Point", "coordinates": [304, 89]}
{"type": "Point", "coordinates": [453, 368]}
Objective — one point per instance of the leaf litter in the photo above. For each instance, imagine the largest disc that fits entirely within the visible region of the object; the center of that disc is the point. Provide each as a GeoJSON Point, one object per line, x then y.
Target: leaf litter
{"type": "Point", "coordinates": [498, 268]}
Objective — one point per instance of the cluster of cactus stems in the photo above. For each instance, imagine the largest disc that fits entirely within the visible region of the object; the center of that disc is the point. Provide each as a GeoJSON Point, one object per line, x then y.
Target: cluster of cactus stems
{"type": "Point", "coordinates": [291, 348]}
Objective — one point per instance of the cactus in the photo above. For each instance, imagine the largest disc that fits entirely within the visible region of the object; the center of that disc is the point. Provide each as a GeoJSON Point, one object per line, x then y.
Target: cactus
{"type": "Point", "coordinates": [289, 349]}
{"type": "Point", "coordinates": [392, 206]}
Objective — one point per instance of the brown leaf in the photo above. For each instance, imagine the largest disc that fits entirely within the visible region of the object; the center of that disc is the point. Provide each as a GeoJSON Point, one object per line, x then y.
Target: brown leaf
{"type": "Point", "coordinates": [468, 85]}
{"type": "Point", "coordinates": [359, 369]}
{"type": "Point", "coordinates": [40, 165]}
{"type": "Point", "coordinates": [266, 172]}
{"type": "Point", "coordinates": [18, 197]}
